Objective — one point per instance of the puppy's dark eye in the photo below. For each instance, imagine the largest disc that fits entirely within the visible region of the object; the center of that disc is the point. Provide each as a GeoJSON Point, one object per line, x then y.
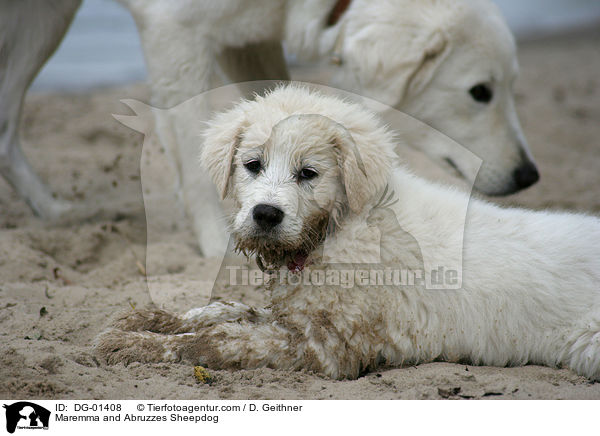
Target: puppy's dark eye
{"type": "Point", "coordinates": [481, 93]}
{"type": "Point", "coordinates": [307, 174]}
{"type": "Point", "coordinates": [253, 166]}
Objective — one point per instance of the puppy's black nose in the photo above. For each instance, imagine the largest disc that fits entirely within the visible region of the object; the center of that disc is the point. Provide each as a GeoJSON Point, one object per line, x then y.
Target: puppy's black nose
{"type": "Point", "coordinates": [267, 216]}
{"type": "Point", "coordinates": [526, 175]}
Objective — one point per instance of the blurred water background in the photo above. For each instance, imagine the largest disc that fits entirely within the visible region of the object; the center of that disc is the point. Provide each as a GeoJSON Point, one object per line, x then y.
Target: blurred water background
{"type": "Point", "coordinates": [102, 47]}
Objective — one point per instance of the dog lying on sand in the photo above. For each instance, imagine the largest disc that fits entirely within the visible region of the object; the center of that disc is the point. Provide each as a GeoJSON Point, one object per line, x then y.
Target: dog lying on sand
{"type": "Point", "coordinates": [306, 171]}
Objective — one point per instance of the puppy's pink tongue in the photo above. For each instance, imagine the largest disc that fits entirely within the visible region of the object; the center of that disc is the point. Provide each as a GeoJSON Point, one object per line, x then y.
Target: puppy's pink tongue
{"type": "Point", "coordinates": [298, 261]}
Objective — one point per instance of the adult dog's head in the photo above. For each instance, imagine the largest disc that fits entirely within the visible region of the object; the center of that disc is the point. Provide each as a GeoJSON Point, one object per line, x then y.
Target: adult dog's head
{"type": "Point", "coordinates": [296, 164]}
{"type": "Point", "coordinates": [448, 63]}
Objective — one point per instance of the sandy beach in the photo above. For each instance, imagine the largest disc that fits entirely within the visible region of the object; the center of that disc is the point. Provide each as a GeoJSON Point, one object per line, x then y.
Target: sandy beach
{"type": "Point", "coordinates": [60, 285]}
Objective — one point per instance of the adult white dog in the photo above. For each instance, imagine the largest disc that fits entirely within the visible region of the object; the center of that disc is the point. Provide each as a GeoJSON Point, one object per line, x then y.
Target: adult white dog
{"type": "Point", "coordinates": [305, 171]}
{"type": "Point", "coordinates": [448, 63]}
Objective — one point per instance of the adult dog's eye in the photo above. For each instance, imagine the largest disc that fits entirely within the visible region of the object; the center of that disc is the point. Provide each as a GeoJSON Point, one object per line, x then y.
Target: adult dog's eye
{"type": "Point", "coordinates": [481, 93]}
{"type": "Point", "coordinates": [307, 174]}
{"type": "Point", "coordinates": [253, 166]}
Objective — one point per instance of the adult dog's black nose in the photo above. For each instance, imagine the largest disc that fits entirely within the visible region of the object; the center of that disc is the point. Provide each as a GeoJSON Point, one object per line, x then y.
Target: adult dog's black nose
{"type": "Point", "coordinates": [526, 175]}
{"type": "Point", "coordinates": [267, 216]}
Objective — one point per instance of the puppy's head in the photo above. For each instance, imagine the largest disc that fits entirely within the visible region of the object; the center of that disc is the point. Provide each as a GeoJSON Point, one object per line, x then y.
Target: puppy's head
{"type": "Point", "coordinates": [451, 65]}
{"type": "Point", "coordinates": [293, 176]}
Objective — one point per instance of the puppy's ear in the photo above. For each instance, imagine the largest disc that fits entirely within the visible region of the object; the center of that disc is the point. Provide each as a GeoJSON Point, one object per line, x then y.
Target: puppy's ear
{"type": "Point", "coordinates": [221, 141]}
{"type": "Point", "coordinates": [366, 161]}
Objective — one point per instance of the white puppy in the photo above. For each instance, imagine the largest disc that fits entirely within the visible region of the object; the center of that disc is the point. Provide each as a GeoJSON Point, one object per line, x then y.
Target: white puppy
{"type": "Point", "coordinates": [305, 171]}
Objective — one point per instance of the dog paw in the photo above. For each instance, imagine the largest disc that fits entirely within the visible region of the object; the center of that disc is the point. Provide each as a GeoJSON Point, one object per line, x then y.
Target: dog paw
{"type": "Point", "coordinates": [151, 320]}
{"type": "Point", "coordinates": [117, 346]}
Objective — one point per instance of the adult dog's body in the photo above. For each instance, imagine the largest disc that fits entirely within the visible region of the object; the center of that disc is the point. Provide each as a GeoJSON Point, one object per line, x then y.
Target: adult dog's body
{"type": "Point", "coordinates": [449, 63]}
{"type": "Point", "coordinates": [307, 174]}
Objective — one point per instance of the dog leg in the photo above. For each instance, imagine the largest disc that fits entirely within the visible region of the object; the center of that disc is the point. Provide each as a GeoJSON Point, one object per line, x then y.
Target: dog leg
{"type": "Point", "coordinates": [149, 320]}
{"type": "Point", "coordinates": [216, 313]}
{"type": "Point", "coordinates": [180, 59]}
{"type": "Point", "coordinates": [233, 335]}
{"type": "Point", "coordinates": [260, 61]}
{"type": "Point", "coordinates": [30, 31]}
{"type": "Point", "coordinates": [161, 321]}
{"type": "Point", "coordinates": [225, 346]}
{"type": "Point", "coordinates": [220, 335]}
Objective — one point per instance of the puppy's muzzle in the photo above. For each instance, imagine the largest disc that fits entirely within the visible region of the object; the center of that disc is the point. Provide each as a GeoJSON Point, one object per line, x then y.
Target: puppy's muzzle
{"type": "Point", "coordinates": [266, 216]}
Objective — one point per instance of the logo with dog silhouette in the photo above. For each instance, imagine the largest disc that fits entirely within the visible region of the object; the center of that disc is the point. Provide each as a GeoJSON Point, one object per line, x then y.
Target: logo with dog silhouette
{"type": "Point", "coordinates": [26, 415]}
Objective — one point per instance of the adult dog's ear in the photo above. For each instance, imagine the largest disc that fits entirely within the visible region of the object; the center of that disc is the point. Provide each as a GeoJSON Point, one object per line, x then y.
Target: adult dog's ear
{"type": "Point", "coordinates": [221, 141]}
{"type": "Point", "coordinates": [365, 160]}
{"type": "Point", "coordinates": [393, 62]}
{"type": "Point", "coordinates": [428, 56]}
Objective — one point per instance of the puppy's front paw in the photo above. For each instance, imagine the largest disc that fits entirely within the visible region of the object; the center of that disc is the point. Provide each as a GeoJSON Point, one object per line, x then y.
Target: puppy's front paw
{"type": "Point", "coordinates": [150, 320]}
{"type": "Point", "coordinates": [118, 346]}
